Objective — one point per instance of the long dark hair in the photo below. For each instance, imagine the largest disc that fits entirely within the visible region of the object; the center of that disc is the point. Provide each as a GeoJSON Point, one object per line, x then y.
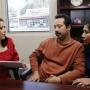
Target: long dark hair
{"type": "Point", "coordinates": [5, 39]}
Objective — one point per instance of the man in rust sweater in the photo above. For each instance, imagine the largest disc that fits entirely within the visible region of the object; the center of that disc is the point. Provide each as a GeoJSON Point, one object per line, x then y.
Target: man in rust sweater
{"type": "Point", "coordinates": [62, 57]}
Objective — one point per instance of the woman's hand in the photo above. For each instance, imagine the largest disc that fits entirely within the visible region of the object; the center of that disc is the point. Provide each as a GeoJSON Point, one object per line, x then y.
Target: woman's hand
{"type": "Point", "coordinates": [82, 82]}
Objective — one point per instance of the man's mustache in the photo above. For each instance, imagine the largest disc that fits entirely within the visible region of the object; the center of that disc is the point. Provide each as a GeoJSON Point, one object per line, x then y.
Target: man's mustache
{"type": "Point", "coordinates": [57, 33]}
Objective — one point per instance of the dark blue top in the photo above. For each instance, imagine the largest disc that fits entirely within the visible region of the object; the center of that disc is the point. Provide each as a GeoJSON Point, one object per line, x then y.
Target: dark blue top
{"type": "Point", "coordinates": [87, 56]}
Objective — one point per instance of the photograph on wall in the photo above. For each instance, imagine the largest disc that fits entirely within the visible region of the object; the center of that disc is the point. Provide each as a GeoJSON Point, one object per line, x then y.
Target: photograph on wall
{"type": "Point", "coordinates": [28, 15]}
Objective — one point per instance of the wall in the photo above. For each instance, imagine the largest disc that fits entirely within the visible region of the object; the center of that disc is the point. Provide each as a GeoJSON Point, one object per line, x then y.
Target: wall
{"type": "Point", "coordinates": [1, 8]}
{"type": "Point", "coordinates": [27, 42]}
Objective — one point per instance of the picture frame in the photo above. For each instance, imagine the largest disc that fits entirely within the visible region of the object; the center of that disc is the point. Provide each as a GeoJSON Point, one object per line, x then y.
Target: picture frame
{"type": "Point", "coordinates": [28, 16]}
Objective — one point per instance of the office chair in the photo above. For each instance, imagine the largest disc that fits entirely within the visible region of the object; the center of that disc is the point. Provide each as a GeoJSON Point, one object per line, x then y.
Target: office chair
{"type": "Point", "coordinates": [14, 73]}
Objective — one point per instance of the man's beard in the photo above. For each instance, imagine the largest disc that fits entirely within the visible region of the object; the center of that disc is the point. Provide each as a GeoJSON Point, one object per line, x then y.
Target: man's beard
{"type": "Point", "coordinates": [59, 36]}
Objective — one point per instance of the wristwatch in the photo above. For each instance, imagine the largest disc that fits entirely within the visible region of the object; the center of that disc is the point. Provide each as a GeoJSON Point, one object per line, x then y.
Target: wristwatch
{"type": "Point", "coordinates": [76, 2]}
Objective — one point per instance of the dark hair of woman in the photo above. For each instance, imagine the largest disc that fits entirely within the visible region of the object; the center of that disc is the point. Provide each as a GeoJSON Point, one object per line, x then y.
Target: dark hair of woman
{"type": "Point", "coordinates": [5, 39]}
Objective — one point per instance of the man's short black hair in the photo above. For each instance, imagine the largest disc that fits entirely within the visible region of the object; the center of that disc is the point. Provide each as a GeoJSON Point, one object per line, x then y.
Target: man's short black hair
{"type": "Point", "coordinates": [67, 19]}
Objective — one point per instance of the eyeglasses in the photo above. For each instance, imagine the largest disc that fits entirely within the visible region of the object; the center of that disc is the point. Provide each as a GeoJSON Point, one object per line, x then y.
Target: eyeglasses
{"type": "Point", "coordinates": [2, 27]}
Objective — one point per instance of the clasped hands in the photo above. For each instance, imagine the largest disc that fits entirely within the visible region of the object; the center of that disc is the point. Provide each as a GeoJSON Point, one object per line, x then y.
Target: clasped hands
{"type": "Point", "coordinates": [36, 78]}
{"type": "Point", "coordinates": [53, 79]}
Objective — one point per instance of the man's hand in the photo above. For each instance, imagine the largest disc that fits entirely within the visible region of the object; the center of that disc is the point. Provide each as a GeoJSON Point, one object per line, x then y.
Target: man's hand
{"type": "Point", "coordinates": [53, 79]}
{"type": "Point", "coordinates": [34, 77]}
{"type": "Point", "coordinates": [82, 82]}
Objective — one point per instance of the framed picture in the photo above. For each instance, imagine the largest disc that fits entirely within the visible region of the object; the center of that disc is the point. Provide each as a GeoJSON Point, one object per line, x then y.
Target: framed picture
{"type": "Point", "coordinates": [28, 15]}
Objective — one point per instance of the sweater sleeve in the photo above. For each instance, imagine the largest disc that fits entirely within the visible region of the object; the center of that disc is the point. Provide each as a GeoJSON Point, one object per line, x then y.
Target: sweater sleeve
{"type": "Point", "coordinates": [78, 68]}
{"type": "Point", "coordinates": [37, 56]}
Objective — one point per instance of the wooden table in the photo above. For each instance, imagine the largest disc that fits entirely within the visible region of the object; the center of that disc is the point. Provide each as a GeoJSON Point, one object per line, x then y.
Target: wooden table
{"type": "Point", "coordinates": [26, 85]}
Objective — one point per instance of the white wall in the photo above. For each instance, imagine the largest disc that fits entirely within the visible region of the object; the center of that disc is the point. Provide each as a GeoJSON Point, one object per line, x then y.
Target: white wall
{"type": "Point", "coordinates": [27, 42]}
{"type": "Point", "coordinates": [1, 8]}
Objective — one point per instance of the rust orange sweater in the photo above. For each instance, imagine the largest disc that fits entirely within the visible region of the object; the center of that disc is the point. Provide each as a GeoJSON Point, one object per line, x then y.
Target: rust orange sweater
{"type": "Point", "coordinates": [66, 60]}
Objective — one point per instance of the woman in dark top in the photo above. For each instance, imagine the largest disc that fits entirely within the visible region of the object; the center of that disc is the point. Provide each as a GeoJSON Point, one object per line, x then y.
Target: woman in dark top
{"type": "Point", "coordinates": [83, 82]}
